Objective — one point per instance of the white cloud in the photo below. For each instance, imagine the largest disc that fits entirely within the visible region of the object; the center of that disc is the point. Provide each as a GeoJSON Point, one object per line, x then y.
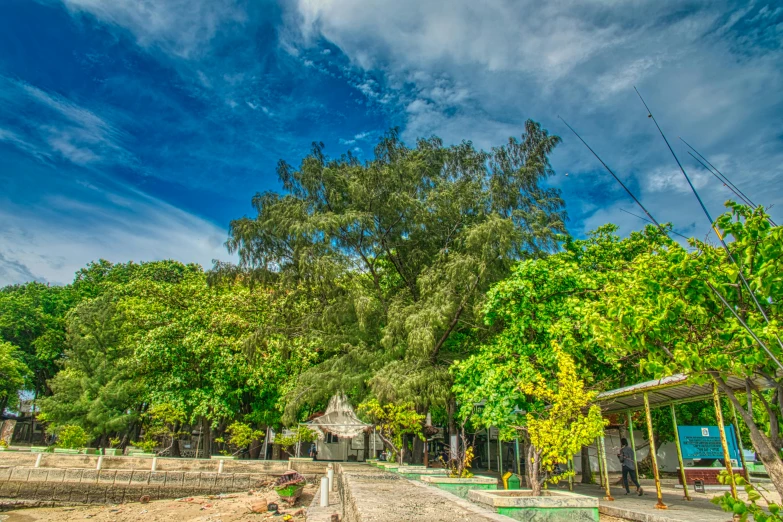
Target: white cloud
{"type": "Point", "coordinates": [179, 27]}
{"type": "Point", "coordinates": [60, 128]}
{"type": "Point", "coordinates": [52, 240]}
{"type": "Point", "coordinates": [467, 70]}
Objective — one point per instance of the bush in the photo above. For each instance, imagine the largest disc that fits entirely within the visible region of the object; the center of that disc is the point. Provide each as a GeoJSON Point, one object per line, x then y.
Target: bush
{"type": "Point", "coordinates": [71, 437]}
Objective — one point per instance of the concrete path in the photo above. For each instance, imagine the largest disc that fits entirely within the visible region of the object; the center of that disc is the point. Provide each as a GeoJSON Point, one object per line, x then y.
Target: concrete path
{"type": "Point", "coordinates": [373, 495]}
{"type": "Point", "coordinates": [642, 509]}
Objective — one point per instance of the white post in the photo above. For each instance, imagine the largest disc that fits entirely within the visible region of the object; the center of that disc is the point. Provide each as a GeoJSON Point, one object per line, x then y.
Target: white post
{"type": "Point", "coordinates": [100, 462]}
{"type": "Point", "coordinates": [374, 453]}
{"type": "Point", "coordinates": [220, 466]}
{"type": "Point", "coordinates": [154, 463]}
{"type": "Point", "coordinates": [330, 476]}
{"type": "Point", "coordinates": [266, 441]}
{"type": "Point", "coordinates": [38, 460]}
{"type": "Point", "coordinates": [324, 492]}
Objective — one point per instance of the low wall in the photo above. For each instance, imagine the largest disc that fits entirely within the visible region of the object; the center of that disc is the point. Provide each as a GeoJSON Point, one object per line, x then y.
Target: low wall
{"type": "Point", "coordinates": [66, 479]}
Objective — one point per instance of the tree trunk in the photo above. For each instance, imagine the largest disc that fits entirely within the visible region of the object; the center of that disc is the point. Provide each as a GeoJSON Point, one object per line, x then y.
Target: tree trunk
{"type": "Point", "coordinates": [366, 445]}
{"type": "Point", "coordinates": [417, 457]}
{"type": "Point", "coordinates": [587, 471]}
{"type": "Point", "coordinates": [761, 442]}
{"type": "Point", "coordinates": [533, 471]}
{"type": "Point", "coordinates": [256, 447]}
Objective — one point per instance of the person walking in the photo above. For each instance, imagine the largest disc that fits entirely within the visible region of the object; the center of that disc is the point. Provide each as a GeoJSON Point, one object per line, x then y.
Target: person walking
{"type": "Point", "coordinates": [628, 460]}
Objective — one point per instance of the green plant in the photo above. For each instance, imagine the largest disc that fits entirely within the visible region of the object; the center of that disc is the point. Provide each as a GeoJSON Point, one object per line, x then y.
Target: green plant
{"type": "Point", "coordinates": [3, 444]}
{"type": "Point", "coordinates": [147, 444]}
{"type": "Point", "coordinates": [71, 436]}
{"type": "Point", "coordinates": [114, 442]}
{"type": "Point", "coordinates": [242, 435]}
{"type": "Point", "coordinates": [301, 434]}
{"type": "Point", "coordinates": [741, 509]}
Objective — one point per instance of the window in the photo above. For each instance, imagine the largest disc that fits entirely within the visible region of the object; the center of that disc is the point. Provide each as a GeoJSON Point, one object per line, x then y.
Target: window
{"type": "Point", "coordinates": [332, 438]}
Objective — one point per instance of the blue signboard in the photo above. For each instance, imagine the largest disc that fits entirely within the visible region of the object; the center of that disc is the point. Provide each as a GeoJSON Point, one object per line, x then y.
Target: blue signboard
{"type": "Point", "coordinates": [703, 442]}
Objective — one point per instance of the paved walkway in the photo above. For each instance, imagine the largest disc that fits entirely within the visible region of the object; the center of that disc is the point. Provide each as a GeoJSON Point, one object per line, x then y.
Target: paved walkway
{"type": "Point", "coordinates": [372, 495]}
{"type": "Point", "coordinates": [633, 507]}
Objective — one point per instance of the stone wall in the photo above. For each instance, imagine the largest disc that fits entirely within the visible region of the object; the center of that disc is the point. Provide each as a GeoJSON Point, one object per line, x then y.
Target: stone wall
{"type": "Point", "coordinates": [66, 479]}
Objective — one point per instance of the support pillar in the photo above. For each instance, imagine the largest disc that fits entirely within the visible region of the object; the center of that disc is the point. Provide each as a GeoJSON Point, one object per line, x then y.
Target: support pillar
{"type": "Point", "coordinates": [602, 456]}
{"type": "Point", "coordinates": [489, 452]}
{"type": "Point", "coordinates": [739, 443]}
{"type": "Point", "coordinates": [600, 465]}
{"type": "Point", "coordinates": [500, 456]}
{"type": "Point", "coordinates": [516, 454]}
{"type": "Point", "coordinates": [633, 442]}
{"type": "Point", "coordinates": [679, 454]}
{"type": "Point", "coordinates": [723, 441]}
{"type": "Point", "coordinates": [653, 455]}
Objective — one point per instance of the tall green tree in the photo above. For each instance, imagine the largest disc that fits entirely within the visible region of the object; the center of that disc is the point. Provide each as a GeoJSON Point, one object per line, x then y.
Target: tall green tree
{"type": "Point", "coordinates": [399, 252]}
{"type": "Point", "coordinates": [32, 318]}
{"type": "Point", "coordinates": [13, 373]}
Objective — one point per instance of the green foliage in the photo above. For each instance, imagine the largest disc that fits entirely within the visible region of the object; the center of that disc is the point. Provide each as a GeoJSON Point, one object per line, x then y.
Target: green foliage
{"type": "Point", "coordinates": [13, 373]}
{"type": "Point", "coordinates": [32, 318]}
{"type": "Point", "coordinates": [71, 436]}
{"type": "Point", "coordinates": [570, 421]}
{"type": "Point", "coordinates": [544, 301]}
{"type": "Point", "coordinates": [742, 509]}
{"type": "Point", "coordinates": [392, 421]}
{"type": "Point", "coordinates": [397, 254]}
{"type": "Point", "coordinates": [301, 434]}
{"type": "Point", "coordinates": [242, 435]}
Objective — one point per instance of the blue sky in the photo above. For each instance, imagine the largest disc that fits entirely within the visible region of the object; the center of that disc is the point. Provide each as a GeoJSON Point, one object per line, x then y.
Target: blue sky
{"type": "Point", "coordinates": [136, 129]}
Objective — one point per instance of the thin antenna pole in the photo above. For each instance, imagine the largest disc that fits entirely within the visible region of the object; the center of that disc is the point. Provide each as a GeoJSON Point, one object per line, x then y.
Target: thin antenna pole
{"type": "Point", "coordinates": [725, 179]}
{"type": "Point", "coordinates": [746, 198]}
{"type": "Point", "coordinates": [647, 220]}
{"type": "Point", "coordinates": [706, 212]}
{"type": "Point", "coordinates": [719, 179]}
{"type": "Point", "coordinates": [613, 175]}
{"type": "Point", "coordinates": [725, 303]}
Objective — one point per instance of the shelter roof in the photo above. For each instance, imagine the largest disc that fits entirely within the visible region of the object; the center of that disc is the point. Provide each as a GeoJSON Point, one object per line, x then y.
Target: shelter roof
{"type": "Point", "coordinates": [676, 388]}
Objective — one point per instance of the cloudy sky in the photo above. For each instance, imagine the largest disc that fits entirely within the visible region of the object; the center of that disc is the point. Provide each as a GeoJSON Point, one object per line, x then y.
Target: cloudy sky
{"type": "Point", "coordinates": [136, 129]}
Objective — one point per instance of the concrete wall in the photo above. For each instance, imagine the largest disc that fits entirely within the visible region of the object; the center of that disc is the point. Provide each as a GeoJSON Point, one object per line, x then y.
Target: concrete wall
{"type": "Point", "coordinates": [74, 478]}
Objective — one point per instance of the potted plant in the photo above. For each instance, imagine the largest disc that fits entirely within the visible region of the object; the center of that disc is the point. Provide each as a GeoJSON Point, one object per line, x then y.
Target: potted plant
{"type": "Point", "coordinates": [5, 447]}
{"type": "Point", "coordinates": [70, 439]}
{"type": "Point", "coordinates": [113, 449]}
{"type": "Point", "coordinates": [240, 436]}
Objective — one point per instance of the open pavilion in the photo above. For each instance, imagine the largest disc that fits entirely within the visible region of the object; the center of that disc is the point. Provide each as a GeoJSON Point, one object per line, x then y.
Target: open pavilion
{"type": "Point", "coordinates": [668, 392]}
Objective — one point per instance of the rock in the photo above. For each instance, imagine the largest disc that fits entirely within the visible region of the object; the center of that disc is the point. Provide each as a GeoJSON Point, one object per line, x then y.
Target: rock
{"type": "Point", "coordinates": [259, 507]}
{"type": "Point", "coordinates": [144, 499]}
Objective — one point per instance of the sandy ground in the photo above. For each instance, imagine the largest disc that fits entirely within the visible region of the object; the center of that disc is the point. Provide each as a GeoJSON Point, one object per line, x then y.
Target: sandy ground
{"type": "Point", "coordinates": [221, 508]}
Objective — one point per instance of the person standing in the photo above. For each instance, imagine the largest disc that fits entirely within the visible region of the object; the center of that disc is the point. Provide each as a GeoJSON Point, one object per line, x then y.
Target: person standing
{"type": "Point", "coordinates": [628, 460]}
{"type": "Point", "coordinates": [313, 451]}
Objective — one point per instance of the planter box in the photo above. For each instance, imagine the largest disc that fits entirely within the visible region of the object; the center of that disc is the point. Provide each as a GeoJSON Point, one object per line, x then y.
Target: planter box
{"type": "Point", "coordinates": [429, 472]}
{"type": "Point", "coordinates": [114, 452]}
{"type": "Point", "coordinates": [371, 462]}
{"type": "Point", "coordinates": [460, 486]}
{"type": "Point", "coordinates": [89, 451]}
{"type": "Point", "coordinates": [300, 459]}
{"type": "Point", "coordinates": [143, 455]}
{"type": "Point", "coordinates": [223, 457]}
{"type": "Point", "coordinates": [552, 506]}
{"type": "Point", "coordinates": [426, 472]}
{"type": "Point", "coordinates": [67, 451]}
{"type": "Point", "coordinates": [8, 449]}
{"type": "Point", "coordinates": [39, 449]}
